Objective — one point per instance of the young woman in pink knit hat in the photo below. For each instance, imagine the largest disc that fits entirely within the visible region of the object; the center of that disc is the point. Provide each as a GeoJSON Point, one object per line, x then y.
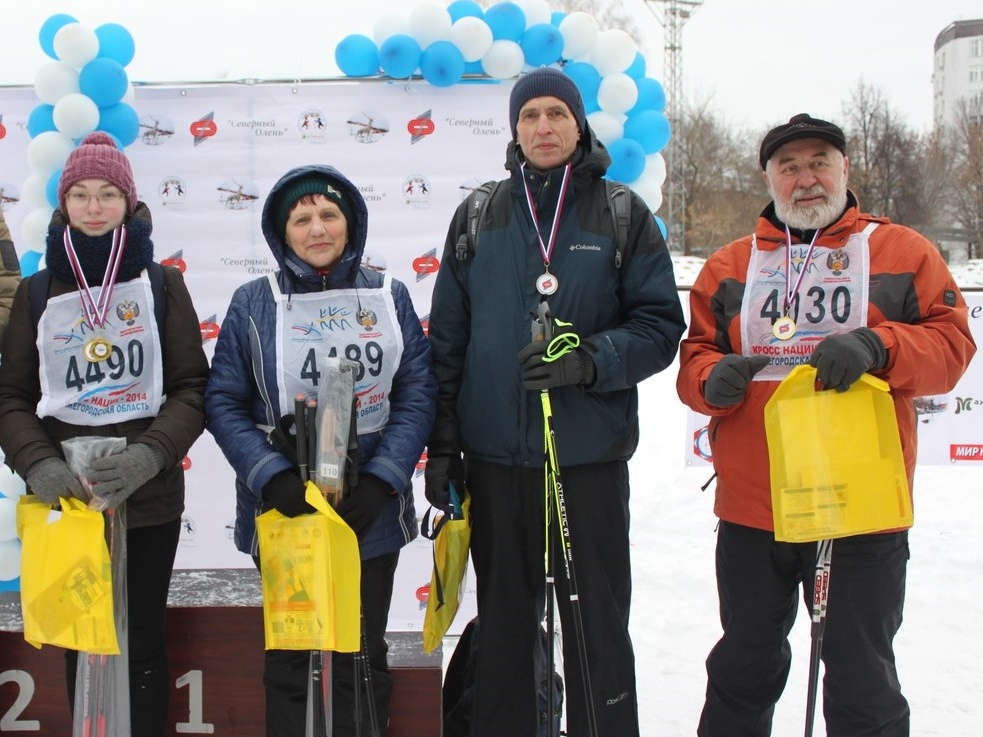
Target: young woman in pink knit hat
{"type": "Point", "coordinates": [89, 357]}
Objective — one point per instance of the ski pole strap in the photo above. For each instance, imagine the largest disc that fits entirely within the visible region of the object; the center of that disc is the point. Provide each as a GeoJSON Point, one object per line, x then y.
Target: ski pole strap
{"type": "Point", "coordinates": [561, 344]}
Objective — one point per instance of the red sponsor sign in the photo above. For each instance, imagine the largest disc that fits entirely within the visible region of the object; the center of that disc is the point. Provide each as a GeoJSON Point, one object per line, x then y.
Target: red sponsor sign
{"type": "Point", "coordinates": [186, 463]}
{"type": "Point", "coordinates": [965, 452]}
{"type": "Point", "coordinates": [203, 128]}
{"type": "Point", "coordinates": [423, 593]}
{"type": "Point", "coordinates": [426, 265]}
{"type": "Point", "coordinates": [420, 127]}
{"type": "Point", "coordinates": [178, 263]}
{"type": "Point", "coordinates": [209, 330]}
{"type": "Point", "coordinates": [3, 130]}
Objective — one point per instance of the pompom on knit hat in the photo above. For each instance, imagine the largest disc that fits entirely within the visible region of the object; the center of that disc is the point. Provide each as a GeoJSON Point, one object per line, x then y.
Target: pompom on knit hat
{"type": "Point", "coordinates": [97, 157]}
{"type": "Point", "coordinates": [543, 82]}
{"type": "Point", "coordinates": [308, 184]}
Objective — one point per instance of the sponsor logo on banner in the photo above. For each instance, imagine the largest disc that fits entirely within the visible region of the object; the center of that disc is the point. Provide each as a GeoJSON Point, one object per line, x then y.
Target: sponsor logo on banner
{"type": "Point", "coordinates": [701, 444]}
{"type": "Point", "coordinates": [204, 128]}
{"type": "Point", "coordinates": [369, 194]}
{"type": "Point", "coordinates": [176, 260]}
{"type": "Point", "coordinates": [189, 530]}
{"type": "Point", "coordinates": [367, 127]}
{"type": "Point", "coordinates": [374, 261]}
{"type": "Point", "coordinates": [965, 404]}
{"type": "Point", "coordinates": [426, 264]}
{"type": "Point", "coordinates": [420, 127]}
{"type": "Point", "coordinates": [425, 324]}
{"type": "Point", "coordinates": [927, 407]}
{"type": "Point", "coordinates": [260, 128]}
{"type": "Point", "coordinates": [236, 196]}
{"type": "Point", "coordinates": [155, 129]}
{"type": "Point", "coordinates": [3, 128]}
{"type": "Point", "coordinates": [9, 195]}
{"type": "Point", "coordinates": [479, 126]}
{"type": "Point", "coordinates": [310, 124]}
{"type": "Point", "coordinates": [965, 452]}
{"type": "Point", "coordinates": [172, 191]}
{"type": "Point", "coordinates": [416, 191]}
{"type": "Point", "coordinates": [209, 329]}
{"type": "Point", "coordinates": [255, 266]}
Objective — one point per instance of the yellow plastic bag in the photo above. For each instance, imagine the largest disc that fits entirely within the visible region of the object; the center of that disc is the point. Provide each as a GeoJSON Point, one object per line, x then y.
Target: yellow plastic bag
{"type": "Point", "coordinates": [450, 561]}
{"type": "Point", "coordinates": [66, 585]}
{"type": "Point", "coordinates": [835, 460]}
{"type": "Point", "coordinates": [311, 576]}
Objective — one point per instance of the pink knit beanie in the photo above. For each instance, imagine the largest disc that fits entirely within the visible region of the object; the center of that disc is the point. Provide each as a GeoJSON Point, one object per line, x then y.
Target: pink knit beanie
{"type": "Point", "coordinates": [98, 158]}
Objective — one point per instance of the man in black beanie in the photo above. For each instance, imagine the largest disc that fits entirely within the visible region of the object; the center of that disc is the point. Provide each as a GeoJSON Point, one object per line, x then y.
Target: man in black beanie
{"type": "Point", "coordinates": [546, 244]}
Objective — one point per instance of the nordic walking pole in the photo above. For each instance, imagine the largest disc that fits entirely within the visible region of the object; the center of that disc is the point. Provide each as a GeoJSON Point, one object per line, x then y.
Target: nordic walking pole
{"type": "Point", "coordinates": [820, 596]}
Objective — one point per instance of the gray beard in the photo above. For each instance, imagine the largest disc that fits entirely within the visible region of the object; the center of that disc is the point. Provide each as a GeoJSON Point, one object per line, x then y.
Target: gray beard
{"type": "Point", "coordinates": [814, 217]}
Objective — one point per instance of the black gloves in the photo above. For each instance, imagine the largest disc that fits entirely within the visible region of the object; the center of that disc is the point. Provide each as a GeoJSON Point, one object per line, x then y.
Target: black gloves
{"type": "Point", "coordinates": [363, 507]}
{"type": "Point", "coordinates": [441, 470]}
{"type": "Point", "coordinates": [727, 382]}
{"type": "Point", "coordinates": [841, 359]}
{"type": "Point", "coordinates": [51, 478]}
{"type": "Point", "coordinates": [285, 492]}
{"type": "Point", "coordinates": [574, 367]}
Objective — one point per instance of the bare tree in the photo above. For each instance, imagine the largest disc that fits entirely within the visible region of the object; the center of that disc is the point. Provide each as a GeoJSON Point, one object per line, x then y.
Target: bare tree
{"type": "Point", "coordinates": [965, 194]}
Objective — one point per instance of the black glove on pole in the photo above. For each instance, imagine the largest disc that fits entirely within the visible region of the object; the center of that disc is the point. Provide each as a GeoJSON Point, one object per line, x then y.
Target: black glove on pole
{"type": "Point", "coordinates": [573, 368]}
{"type": "Point", "coordinates": [285, 492]}
{"type": "Point", "coordinates": [841, 359]}
{"type": "Point", "coordinates": [363, 507]}
{"type": "Point", "coordinates": [727, 382]}
{"type": "Point", "coordinates": [440, 471]}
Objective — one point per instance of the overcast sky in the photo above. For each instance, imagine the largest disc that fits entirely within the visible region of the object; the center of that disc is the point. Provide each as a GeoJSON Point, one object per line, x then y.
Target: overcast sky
{"type": "Point", "coordinates": [758, 61]}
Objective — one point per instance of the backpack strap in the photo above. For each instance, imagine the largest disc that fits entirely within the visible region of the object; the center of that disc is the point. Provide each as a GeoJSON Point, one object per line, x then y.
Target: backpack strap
{"type": "Point", "coordinates": [620, 216]}
{"type": "Point", "coordinates": [468, 241]}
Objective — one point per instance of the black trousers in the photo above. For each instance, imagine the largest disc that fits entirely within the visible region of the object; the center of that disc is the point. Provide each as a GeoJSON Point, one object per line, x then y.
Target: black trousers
{"type": "Point", "coordinates": [508, 553]}
{"type": "Point", "coordinates": [286, 671]}
{"type": "Point", "coordinates": [757, 583]}
{"type": "Point", "coordinates": [150, 555]}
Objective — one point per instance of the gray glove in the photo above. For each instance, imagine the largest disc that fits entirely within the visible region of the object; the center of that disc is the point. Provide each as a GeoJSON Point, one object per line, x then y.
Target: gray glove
{"type": "Point", "coordinates": [841, 359]}
{"type": "Point", "coordinates": [116, 476]}
{"type": "Point", "coordinates": [727, 382]}
{"type": "Point", "coordinates": [51, 478]}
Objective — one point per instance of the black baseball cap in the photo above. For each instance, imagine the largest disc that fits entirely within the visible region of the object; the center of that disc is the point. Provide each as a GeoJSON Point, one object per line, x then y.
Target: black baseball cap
{"type": "Point", "coordinates": [802, 125]}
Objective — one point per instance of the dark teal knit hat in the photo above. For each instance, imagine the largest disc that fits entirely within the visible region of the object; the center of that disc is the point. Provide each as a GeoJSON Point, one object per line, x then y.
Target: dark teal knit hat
{"type": "Point", "coordinates": [309, 184]}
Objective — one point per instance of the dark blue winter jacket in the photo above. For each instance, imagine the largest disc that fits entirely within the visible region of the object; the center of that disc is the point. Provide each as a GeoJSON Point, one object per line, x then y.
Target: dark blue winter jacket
{"type": "Point", "coordinates": [628, 315]}
{"type": "Point", "coordinates": [242, 397]}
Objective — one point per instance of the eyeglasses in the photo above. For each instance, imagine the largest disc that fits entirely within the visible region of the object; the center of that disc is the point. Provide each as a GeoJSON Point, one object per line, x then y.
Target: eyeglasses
{"type": "Point", "coordinates": [105, 199]}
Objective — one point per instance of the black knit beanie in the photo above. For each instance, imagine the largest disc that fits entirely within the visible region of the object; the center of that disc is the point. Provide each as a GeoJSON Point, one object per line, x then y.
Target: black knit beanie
{"type": "Point", "coordinates": [309, 184]}
{"type": "Point", "coordinates": [542, 82]}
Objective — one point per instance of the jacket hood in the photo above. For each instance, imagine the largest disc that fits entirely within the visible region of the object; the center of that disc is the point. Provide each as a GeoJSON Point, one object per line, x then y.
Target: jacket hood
{"type": "Point", "coordinates": [298, 271]}
{"type": "Point", "coordinates": [591, 159]}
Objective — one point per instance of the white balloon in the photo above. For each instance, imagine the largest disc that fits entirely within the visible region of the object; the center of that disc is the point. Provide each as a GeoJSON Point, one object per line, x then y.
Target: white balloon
{"type": "Point", "coordinates": [579, 31]}
{"type": "Point", "coordinates": [388, 25]}
{"type": "Point", "coordinates": [34, 194]}
{"type": "Point", "coordinates": [76, 44]}
{"type": "Point", "coordinates": [8, 520]}
{"type": "Point", "coordinates": [504, 59]}
{"type": "Point", "coordinates": [47, 152]}
{"type": "Point", "coordinates": [9, 560]}
{"type": "Point", "coordinates": [130, 96]}
{"type": "Point", "coordinates": [472, 36]}
{"type": "Point", "coordinates": [655, 165]}
{"type": "Point", "coordinates": [648, 189]}
{"type": "Point", "coordinates": [75, 115]}
{"type": "Point", "coordinates": [613, 51]}
{"type": "Point", "coordinates": [429, 22]}
{"type": "Point", "coordinates": [608, 127]}
{"type": "Point", "coordinates": [54, 80]}
{"type": "Point", "coordinates": [11, 485]}
{"type": "Point", "coordinates": [34, 230]}
{"type": "Point", "coordinates": [537, 11]}
{"type": "Point", "coordinates": [617, 93]}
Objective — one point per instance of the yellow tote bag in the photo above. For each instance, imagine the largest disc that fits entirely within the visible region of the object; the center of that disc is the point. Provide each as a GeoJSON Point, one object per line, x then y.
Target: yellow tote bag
{"type": "Point", "coordinates": [450, 562]}
{"type": "Point", "coordinates": [311, 577]}
{"type": "Point", "coordinates": [66, 577]}
{"type": "Point", "coordinates": [835, 460]}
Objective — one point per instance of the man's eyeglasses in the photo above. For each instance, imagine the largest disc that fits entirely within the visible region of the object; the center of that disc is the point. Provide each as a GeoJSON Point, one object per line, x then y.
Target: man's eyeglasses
{"type": "Point", "coordinates": [105, 199]}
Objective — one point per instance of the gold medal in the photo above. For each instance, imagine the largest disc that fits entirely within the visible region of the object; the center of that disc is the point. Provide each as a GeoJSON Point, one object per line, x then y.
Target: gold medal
{"type": "Point", "coordinates": [784, 328]}
{"type": "Point", "coordinates": [97, 349]}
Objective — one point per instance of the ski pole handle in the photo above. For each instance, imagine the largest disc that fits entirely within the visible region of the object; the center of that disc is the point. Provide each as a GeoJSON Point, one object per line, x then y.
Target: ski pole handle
{"type": "Point", "coordinates": [300, 424]}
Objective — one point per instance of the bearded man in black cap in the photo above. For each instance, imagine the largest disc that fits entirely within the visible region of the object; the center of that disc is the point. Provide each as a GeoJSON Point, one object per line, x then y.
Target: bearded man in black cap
{"type": "Point", "coordinates": [818, 282]}
{"type": "Point", "coordinates": [547, 236]}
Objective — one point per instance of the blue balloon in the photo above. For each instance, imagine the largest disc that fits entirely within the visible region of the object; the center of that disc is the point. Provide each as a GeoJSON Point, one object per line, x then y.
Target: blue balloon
{"type": "Point", "coordinates": [51, 189]}
{"type": "Point", "coordinates": [556, 17]}
{"type": "Point", "coordinates": [40, 120]}
{"type": "Point", "coordinates": [636, 70]}
{"type": "Point", "coordinates": [507, 21]}
{"type": "Point", "coordinates": [662, 227]}
{"type": "Point", "coordinates": [650, 128]}
{"type": "Point", "coordinates": [399, 55]}
{"type": "Point", "coordinates": [46, 36]}
{"type": "Point", "coordinates": [463, 9]}
{"type": "Point", "coordinates": [474, 67]}
{"type": "Point", "coordinates": [651, 95]}
{"type": "Point", "coordinates": [627, 160]}
{"type": "Point", "coordinates": [587, 79]}
{"type": "Point", "coordinates": [542, 44]}
{"type": "Point", "coordinates": [121, 121]}
{"type": "Point", "coordinates": [29, 262]}
{"type": "Point", "coordinates": [116, 43]}
{"type": "Point", "coordinates": [104, 81]}
{"type": "Point", "coordinates": [357, 56]}
{"type": "Point", "coordinates": [442, 64]}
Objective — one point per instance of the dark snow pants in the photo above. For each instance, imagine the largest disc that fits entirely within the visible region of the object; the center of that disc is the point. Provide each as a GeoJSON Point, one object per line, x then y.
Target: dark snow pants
{"type": "Point", "coordinates": [757, 584]}
{"type": "Point", "coordinates": [286, 671]}
{"type": "Point", "coordinates": [508, 553]}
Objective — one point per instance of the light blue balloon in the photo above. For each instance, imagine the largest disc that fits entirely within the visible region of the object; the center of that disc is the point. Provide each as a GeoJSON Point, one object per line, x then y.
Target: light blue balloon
{"type": "Point", "coordinates": [650, 128]}
{"type": "Point", "coordinates": [104, 81]}
{"type": "Point", "coordinates": [651, 96]}
{"type": "Point", "coordinates": [46, 36]}
{"type": "Point", "coordinates": [507, 21]}
{"type": "Point", "coordinates": [587, 79]}
{"type": "Point", "coordinates": [464, 9]}
{"type": "Point", "coordinates": [121, 121]}
{"type": "Point", "coordinates": [357, 56]}
{"type": "Point", "coordinates": [399, 55]}
{"type": "Point", "coordinates": [627, 160]}
{"type": "Point", "coordinates": [51, 189]}
{"type": "Point", "coordinates": [556, 17]}
{"type": "Point", "coordinates": [442, 64]}
{"type": "Point", "coordinates": [636, 70]}
{"type": "Point", "coordinates": [542, 44]}
{"type": "Point", "coordinates": [29, 262]}
{"type": "Point", "coordinates": [40, 120]}
{"type": "Point", "coordinates": [116, 43]}
{"type": "Point", "coordinates": [474, 67]}
{"type": "Point", "coordinates": [662, 227]}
